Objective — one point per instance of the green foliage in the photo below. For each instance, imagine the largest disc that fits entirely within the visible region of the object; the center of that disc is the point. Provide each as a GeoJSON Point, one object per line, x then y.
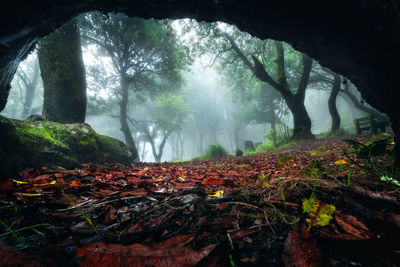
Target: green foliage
{"type": "Point", "coordinates": [375, 157]}
{"type": "Point", "coordinates": [215, 151]}
{"type": "Point", "coordinates": [366, 151]}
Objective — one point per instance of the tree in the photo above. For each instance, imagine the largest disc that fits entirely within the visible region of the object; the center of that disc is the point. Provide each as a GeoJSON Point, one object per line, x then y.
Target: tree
{"type": "Point", "coordinates": [30, 81]}
{"type": "Point", "coordinates": [162, 116]}
{"type": "Point", "coordinates": [63, 75]}
{"type": "Point", "coordinates": [142, 53]}
{"type": "Point", "coordinates": [26, 86]}
{"type": "Point", "coordinates": [239, 47]}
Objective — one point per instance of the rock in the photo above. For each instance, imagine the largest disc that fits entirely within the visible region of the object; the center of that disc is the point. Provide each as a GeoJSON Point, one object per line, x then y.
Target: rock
{"type": "Point", "coordinates": [238, 152]}
{"type": "Point", "coordinates": [33, 143]}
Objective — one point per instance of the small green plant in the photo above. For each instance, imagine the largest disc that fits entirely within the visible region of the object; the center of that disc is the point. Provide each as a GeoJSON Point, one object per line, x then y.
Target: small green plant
{"type": "Point", "coordinates": [231, 260]}
{"type": "Point", "coordinates": [215, 151]}
{"type": "Point", "coordinates": [282, 195]}
{"type": "Point", "coordinates": [389, 180]}
{"type": "Point", "coordinates": [81, 211]}
{"type": "Point", "coordinates": [371, 154]}
{"type": "Point", "coordinates": [14, 234]}
{"type": "Point", "coordinates": [263, 179]}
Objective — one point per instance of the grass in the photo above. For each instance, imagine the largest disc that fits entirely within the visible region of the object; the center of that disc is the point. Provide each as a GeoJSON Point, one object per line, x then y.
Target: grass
{"type": "Point", "coordinates": [81, 211]}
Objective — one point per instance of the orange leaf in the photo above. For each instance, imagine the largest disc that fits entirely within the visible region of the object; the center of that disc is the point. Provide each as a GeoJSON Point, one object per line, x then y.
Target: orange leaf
{"type": "Point", "coordinates": [75, 183]}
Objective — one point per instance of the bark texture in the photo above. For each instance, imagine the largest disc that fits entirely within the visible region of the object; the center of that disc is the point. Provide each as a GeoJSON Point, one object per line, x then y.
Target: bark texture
{"type": "Point", "coordinates": [63, 74]}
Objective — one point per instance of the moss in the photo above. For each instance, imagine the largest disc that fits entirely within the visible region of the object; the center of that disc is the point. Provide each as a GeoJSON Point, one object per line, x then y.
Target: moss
{"type": "Point", "coordinates": [44, 143]}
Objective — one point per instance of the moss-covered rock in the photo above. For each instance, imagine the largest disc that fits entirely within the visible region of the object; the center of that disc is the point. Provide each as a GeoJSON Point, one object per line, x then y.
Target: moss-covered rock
{"type": "Point", "coordinates": [43, 143]}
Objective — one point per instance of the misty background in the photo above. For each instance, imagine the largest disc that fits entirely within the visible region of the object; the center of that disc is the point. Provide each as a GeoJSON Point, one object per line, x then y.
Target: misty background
{"type": "Point", "coordinates": [217, 101]}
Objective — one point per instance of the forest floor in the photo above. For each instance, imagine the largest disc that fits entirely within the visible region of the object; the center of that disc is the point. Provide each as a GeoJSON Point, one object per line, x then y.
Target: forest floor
{"type": "Point", "coordinates": [305, 205]}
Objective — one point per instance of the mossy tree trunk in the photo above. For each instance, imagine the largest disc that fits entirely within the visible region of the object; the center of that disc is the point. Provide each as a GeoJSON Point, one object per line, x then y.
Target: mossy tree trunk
{"type": "Point", "coordinates": [63, 74]}
{"type": "Point", "coordinates": [332, 104]}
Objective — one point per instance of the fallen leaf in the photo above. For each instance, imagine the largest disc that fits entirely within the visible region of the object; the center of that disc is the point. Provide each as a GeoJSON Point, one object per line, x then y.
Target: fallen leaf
{"type": "Point", "coordinates": [355, 229]}
{"type": "Point", "coordinates": [240, 233]}
{"type": "Point", "coordinates": [75, 183]}
{"type": "Point", "coordinates": [217, 194]}
{"type": "Point", "coordinates": [101, 254]}
{"type": "Point", "coordinates": [300, 249]}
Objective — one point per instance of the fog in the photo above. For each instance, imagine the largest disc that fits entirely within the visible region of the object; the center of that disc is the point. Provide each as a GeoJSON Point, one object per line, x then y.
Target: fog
{"type": "Point", "coordinates": [216, 101]}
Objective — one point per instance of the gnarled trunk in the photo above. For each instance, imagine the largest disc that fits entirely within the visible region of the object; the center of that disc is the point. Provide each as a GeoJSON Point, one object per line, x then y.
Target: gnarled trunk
{"type": "Point", "coordinates": [332, 104]}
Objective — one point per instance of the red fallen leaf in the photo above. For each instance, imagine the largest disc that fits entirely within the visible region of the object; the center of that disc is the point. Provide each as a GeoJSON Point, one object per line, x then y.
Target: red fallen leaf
{"type": "Point", "coordinates": [240, 233]}
{"type": "Point", "coordinates": [7, 186]}
{"type": "Point", "coordinates": [58, 175]}
{"type": "Point", "coordinates": [213, 181]}
{"type": "Point", "coordinates": [355, 229]}
{"type": "Point", "coordinates": [75, 183]}
{"type": "Point", "coordinates": [101, 254]}
{"type": "Point", "coordinates": [41, 179]}
{"type": "Point", "coordinates": [300, 249]}
{"type": "Point", "coordinates": [110, 215]}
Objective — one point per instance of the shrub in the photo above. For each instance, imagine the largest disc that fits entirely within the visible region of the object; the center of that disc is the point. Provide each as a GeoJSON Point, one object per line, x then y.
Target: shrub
{"type": "Point", "coordinates": [215, 151]}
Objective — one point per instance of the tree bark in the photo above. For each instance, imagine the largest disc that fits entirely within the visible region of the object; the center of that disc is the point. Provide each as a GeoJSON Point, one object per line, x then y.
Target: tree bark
{"type": "Point", "coordinates": [63, 74]}
{"type": "Point", "coordinates": [123, 106]}
{"type": "Point", "coordinates": [332, 104]}
{"type": "Point", "coordinates": [295, 102]}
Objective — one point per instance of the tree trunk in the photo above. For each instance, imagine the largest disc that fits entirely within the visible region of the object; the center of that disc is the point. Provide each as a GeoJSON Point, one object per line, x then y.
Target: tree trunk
{"type": "Point", "coordinates": [332, 104]}
{"type": "Point", "coordinates": [63, 74]}
{"type": "Point", "coordinates": [123, 106]}
{"type": "Point", "coordinates": [30, 91]}
{"type": "Point", "coordinates": [157, 156]}
{"type": "Point", "coordinates": [301, 120]}
{"type": "Point", "coordinates": [295, 102]}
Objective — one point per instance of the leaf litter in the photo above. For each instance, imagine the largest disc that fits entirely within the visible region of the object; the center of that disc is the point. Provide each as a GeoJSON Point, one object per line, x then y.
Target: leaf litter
{"type": "Point", "coordinates": [268, 209]}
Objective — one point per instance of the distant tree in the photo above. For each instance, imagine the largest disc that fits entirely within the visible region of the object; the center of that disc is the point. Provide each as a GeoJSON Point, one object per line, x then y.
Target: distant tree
{"type": "Point", "coordinates": [25, 88]}
{"type": "Point", "coordinates": [205, 123]}
{"type": "Point", "coordinates": [29, 80]}
{"type": "Point", "coordinates": [161, 116]}
{"type": "Point", "coordinates": [142, 53]}
{"type": "Point", "coordinates": [63, 75]}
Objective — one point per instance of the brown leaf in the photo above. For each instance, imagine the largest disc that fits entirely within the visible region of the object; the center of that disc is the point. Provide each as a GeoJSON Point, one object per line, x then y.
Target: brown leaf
{"type": "Point", "coordinates": [300, 249]}
{"type": "Point", "coordinates": [101, 254]}
{"type": "Point", "coordinates": [110, 215]}
{"type": "Point", "coordinates": [355, 230]}
{"type": "Point", "coordinates": [240, 233]}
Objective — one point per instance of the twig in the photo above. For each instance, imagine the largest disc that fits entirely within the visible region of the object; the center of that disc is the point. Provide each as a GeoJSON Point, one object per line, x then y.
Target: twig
{"type": "Point", "coordinates": [230, 239]}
